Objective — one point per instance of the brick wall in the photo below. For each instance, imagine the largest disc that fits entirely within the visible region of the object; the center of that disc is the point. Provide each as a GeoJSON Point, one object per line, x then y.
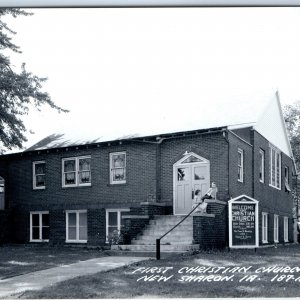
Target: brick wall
{"type": "Point", "coordinates": [212, 147]}
{"type": "Point", "coordinates": [236, 187]}
{"type": "Point", "coordinates": [271, 200]}
{"type": "Point", "coordinates": [5, 225]}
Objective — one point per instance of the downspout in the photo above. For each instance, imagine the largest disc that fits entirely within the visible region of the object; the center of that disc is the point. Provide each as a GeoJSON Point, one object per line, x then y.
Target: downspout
{"type": "Point", "coordinates": [253, 158]}
{"type": "Point", "coordinates": [228, 159]}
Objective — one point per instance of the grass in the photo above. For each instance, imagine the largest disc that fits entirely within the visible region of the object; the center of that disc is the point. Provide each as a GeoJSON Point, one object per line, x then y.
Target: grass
{"type": "Point", "coordinates": [18, 260]}
{"type": "Point", "coordinates": [126, 282]}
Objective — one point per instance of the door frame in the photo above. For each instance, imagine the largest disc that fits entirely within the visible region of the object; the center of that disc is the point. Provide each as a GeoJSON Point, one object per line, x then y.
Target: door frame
{"type": "Point", "coordinates": [179, 163]}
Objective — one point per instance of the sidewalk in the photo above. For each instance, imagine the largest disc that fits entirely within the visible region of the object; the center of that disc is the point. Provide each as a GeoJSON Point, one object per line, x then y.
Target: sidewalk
{"type": "Point", "coordinates": [40, 279]}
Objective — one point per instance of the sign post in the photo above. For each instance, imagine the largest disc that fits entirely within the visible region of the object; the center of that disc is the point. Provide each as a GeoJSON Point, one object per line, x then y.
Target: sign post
{"type": "Point", "coordinates": [243, 222]}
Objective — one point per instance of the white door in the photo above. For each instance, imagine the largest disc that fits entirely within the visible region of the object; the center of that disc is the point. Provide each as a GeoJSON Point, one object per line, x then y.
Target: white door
{"type": "Point", "coordinates": [190, 175]}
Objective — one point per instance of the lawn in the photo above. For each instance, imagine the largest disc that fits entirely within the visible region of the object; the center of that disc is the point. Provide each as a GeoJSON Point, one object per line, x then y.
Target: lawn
{"type": "Point", "coordinates": [18, 260]}
{"type": "Point", "coordinates": [238, 273]}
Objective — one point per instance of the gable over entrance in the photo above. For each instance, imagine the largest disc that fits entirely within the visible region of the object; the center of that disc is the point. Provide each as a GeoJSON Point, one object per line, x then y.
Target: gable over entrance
{"type": "Point", "coordinates": [190, 173]}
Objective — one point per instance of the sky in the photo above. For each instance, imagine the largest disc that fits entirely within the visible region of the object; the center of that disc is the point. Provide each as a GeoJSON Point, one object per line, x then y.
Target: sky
{"type": "Point", "coordinates": [127, 70]}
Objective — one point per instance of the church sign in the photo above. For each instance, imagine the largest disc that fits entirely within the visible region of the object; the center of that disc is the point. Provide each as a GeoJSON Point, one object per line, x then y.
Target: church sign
{"type": "Point", "coordinates": [243, 222]}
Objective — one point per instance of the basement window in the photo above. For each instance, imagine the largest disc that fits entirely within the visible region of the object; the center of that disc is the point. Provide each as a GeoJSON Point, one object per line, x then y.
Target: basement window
{"type": "Point", "coordinates": [76, 226]}
{"type": "Point", "coordinates": [286, 229]}
{"type": "Point", "coordinates": [114, 222]}
{"type": "Point", "coordinates": [264, 227]}
{"type": "Point", "coordinates": [39, 226]}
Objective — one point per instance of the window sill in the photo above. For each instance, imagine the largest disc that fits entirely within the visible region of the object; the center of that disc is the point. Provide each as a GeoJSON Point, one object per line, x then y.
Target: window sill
{"type": "Point", "coordinates": [117, 184]}
{"type": "Point", "coordinates": [76, 242]}
{"type": "Point", "coordinates": [76, 186]}
{"type": "Point", "coordinates": [39, 188]}
{"type": "Point", "coordinates": [39, 241]}
{"type": "Point", "coordinates": [275, 187]}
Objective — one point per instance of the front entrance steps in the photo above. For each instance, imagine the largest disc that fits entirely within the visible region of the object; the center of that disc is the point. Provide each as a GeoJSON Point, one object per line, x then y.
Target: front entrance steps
{"type": "Point", "coordinates": [178, 240]}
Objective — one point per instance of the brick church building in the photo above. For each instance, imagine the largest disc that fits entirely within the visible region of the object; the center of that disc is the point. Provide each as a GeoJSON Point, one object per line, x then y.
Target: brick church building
{"type": "Point", "coordinates": [62, 192]}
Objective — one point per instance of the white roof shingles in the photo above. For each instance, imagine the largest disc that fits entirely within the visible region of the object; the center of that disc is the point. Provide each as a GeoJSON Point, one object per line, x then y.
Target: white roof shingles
{"type": "Point", "coordinates": [236, 112]}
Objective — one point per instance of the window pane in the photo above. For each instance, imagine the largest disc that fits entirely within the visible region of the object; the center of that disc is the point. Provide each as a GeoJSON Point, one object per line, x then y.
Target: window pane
{"type": "Point", "coordinates": [40, 168]}
{"type": "Point", "coordinates": [45, 219]}
{"type": "Point", "coordinates": [70, 178]}
{"type": "Point", "coordinates": [191, 159]}
{"type": "Point", "coordinates": [82, 233]}
{"type": "Point", "coordinates": [45, 233]}
{"type": "Point", "coordinates": [112, 218]}
{"type": "Point", "coordinates": [72, 219]}
{"type": "Point", "coordinates": [82, 219]}
{"type": "Point", "coordinates": [181, 174]}
{"type": "Point", "coordinates": [273, 167]}
{"type": "Point", "coordinates": [40, 180]}
{"type": "Point", "coordinates": [35, 219]}
{"type": "Point", "coordinates": [112, 229]}
{"type": "Point", "coordinates": [35, 233]}
{"type": "Point", "coordinates": [72, 233]}
{"type": "Point", "coordinates": [69, 165]}
{"type": "Point", "coordinates": [118, 174]}
{"type": "Point", "coordinates": [277, 170]}
{"type": "Point", "coordinates": [85, 177]}
{"type": "Point", "coordinates": [118, 161]}
{"type": "Point", "coordinates": [84, 164]}
{"type": "Point", "coordinates": [239, 158]}
{"type": "Point", "coordinates": [199, 173]}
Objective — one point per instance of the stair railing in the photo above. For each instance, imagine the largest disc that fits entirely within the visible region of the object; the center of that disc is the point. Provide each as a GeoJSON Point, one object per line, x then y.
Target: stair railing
{"type": "Point", "coordinates": [211, 193]}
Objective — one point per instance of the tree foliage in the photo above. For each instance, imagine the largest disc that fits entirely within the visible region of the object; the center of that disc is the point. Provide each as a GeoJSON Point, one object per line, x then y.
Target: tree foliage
{"type": "Point", "coordinates": [19, 90]}
{"type": "Point", "coordinates": [292, 119]}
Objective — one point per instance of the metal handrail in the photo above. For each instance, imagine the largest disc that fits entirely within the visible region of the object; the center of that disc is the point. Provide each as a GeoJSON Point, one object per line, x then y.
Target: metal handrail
{"type": "Point", "coordinates": [158, 240]}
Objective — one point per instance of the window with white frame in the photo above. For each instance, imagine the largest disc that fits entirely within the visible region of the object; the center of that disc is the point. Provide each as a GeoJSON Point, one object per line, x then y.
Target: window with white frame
{"type": "Point", "coordinates": [39, 226]}
{"type": "Point", "coordinates": [39, 170]}
{"type": "Point", "coordinates": [261, 165]}
{"type": "Point", "coordinates": [114, 222]}
{"type": "Point", "coordinates": [76, 171]}
{"type": "Point", "coordinates": [286, 179]}
{"type": "Point", "coordinates": [76, 226]}
{"type": "Point", "coordinates": [275, 167]}
{"type": "Point", "coordinates": [240, 165]}
{"type": "Point", "coordinates": [276, 224]}
{"type": "Point", "coordinates": [286, 229]}
{"type": "Point", "coordinates": [264, 227]}
{"type": "Point", "coordinates": [118, 167]}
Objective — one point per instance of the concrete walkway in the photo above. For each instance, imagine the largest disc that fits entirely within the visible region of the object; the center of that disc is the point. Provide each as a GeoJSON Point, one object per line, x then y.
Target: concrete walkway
{"type": "Point", "coordinates": [40, 279]}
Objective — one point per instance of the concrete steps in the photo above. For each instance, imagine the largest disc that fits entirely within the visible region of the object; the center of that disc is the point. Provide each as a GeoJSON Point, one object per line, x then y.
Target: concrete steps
{"type": "Point", "coordinates": [178, 240]}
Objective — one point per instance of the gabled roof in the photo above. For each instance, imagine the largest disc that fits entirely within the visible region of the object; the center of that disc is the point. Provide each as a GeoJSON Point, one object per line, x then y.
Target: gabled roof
{"type": "Point", "coordinates": [262, 112]}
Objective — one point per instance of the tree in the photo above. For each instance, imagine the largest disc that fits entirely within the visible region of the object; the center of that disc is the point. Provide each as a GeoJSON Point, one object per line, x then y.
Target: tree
{"type": "Point", "coordinates": [292, 119]}
{"type": "Point", "coordinates": [18, 90]}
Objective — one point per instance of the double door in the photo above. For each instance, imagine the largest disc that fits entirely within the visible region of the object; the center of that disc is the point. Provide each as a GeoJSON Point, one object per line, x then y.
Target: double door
{"type": "Point", "coordinates": [188, 178]}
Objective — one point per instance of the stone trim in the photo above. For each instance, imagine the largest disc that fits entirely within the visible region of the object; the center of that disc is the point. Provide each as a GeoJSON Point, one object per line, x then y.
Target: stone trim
{"type": "Point", "coordinates": [204, 215]}
{"type": "Point", "coordinates": [154, 203]}
{"type": "Point", "coordinates": [215, 201]}
{"type": "Point", "coordinates": [135, 217]}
